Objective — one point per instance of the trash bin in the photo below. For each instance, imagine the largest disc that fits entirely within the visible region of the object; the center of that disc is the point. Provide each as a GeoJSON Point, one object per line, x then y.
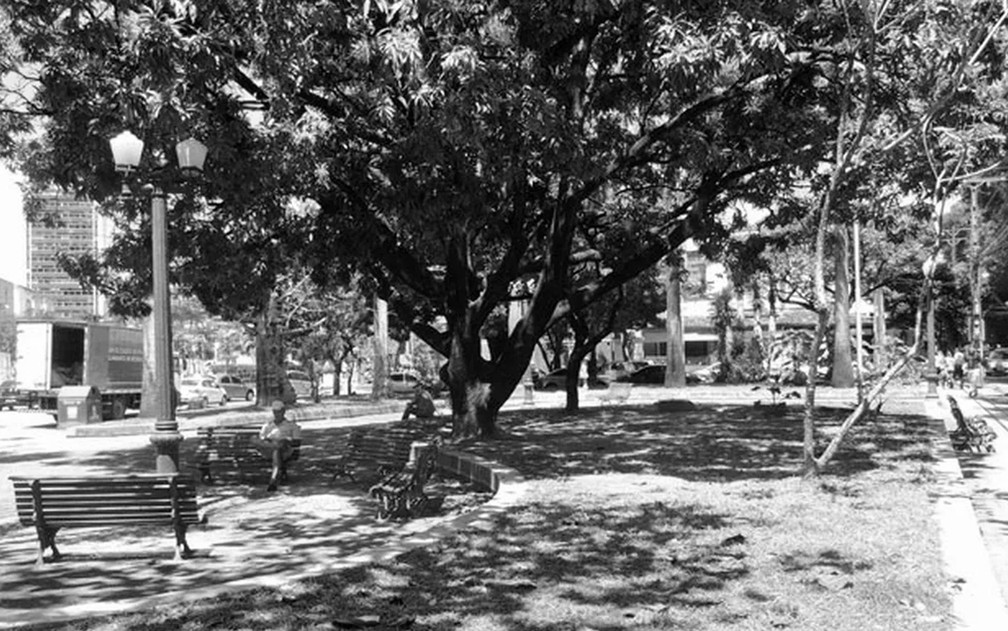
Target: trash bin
{"type": "Point", "coordinates": [78, 404]}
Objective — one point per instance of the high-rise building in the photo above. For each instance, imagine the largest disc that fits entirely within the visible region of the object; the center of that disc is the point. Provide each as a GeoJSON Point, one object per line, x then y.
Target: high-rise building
{"type": "Point", "coordinates": [77, 228]}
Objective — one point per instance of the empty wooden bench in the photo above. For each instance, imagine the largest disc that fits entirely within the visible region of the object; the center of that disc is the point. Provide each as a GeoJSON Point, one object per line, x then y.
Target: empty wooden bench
{"type": "Point", "coordinates": [374, 452]}
{"type": "Point", "coordinates": [972, 434]}
{"type": "Point", "coordinates": [51, 504]}
{"type": "Point", "coordinates": [401, 494]}
{"type": "Point", "coordinates": [233, 447]}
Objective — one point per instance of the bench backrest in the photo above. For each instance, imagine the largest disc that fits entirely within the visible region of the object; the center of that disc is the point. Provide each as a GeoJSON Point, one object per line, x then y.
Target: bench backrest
{"type": "Point", "coordinates": [100, 501]}
{"type": "Point", "coordinates": [956, 412]}
{"type": "Point", "coordinates": [226, 433]}
{"type": "Point", "coordinates": [387, 445]}
{"type": "Point", "coordinates": [232, 440]}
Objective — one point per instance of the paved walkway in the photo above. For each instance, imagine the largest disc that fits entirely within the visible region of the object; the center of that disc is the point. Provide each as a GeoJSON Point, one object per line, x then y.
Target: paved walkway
{"type": "Point", "coordinates": [984, 482]}
{"type": "Point", "coordinates": [313, 526]}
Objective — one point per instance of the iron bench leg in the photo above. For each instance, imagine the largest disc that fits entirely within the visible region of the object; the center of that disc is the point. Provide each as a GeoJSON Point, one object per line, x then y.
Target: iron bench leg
{"type": "Point", "coordinates": [46, 539]}
{"type": "Point", "coordinates": [182, 549]}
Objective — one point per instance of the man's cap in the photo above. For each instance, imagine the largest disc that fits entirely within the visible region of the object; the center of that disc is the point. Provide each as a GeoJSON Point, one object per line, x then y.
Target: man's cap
{"type": "Point", "coordinates": [278, 405]}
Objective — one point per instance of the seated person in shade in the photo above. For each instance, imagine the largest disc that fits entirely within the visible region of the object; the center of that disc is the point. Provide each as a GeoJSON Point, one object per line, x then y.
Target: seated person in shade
{"type": "Point", "coordinates": [421, 406]}
{"type": "Point", "coordinates": [276, 442]}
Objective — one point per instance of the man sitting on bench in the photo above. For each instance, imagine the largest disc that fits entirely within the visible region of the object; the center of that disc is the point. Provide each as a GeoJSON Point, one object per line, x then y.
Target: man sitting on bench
{"type": "Point", "coordinates": [421, 406]}
{"type": "Point", "coordinates": [276, 442]}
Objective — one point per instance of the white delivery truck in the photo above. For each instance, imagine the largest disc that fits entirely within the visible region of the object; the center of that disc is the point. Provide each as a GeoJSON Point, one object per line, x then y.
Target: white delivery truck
{"type": "Point", "coordinates": [67, 356]}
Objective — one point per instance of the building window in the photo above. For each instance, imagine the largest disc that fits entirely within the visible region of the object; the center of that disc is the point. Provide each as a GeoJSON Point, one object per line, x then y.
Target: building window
{"type": "Point", "coordinates": [655, 349]}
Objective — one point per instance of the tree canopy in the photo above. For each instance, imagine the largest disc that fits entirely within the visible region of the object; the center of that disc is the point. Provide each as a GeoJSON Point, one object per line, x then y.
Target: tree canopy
{"type": "Point", "coordinates": [452, 151]}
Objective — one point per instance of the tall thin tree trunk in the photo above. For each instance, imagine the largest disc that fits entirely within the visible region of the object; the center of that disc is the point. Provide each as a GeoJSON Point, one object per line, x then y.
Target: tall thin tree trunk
{"type": "Point", "coordinates": [879, 333]}
{"type": "Point", "coordinates": [379, 369]}
{"type": "Point", "coordinates": [675, 353]}
{"type": "Point", "coordinates": [843, 367]}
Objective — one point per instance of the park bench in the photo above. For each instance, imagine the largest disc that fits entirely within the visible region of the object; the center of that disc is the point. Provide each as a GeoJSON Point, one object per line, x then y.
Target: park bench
{"type": "Point", "coordinates": [53, 503]}
{"type": "Point", "coordinates": [401, 494]}
{"type": "Point", "coordinates": [234, 447]}
{"type": "Point", "coordinates": [372, 453]}
{"type": "Point", "coordinates": [615, 393]}
{"type": "Point", "coordinates": [972, 434]}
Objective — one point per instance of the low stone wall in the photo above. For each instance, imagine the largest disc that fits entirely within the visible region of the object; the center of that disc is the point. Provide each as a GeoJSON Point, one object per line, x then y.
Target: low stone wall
{"type": "Point", "coordinates": [482, 472]}
{"type": "Point", "coordinates": [246, 415]}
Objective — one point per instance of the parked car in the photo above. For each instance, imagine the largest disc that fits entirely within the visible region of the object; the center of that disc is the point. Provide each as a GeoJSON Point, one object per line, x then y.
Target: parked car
{"type": "Point", "coordinates": [555, 380]}
{"type": "Point", "coordinates": [201, 392]}
{"type": "Point", "coordinates": [997, 362]}
{"type": "Point", "coordinates": [236, 388]}
{"type": "Point", "coordinates": [402, 382]}
{"type": "Point", "coordinates": [301, 383]}
{"type": "Point", "coordinates": [614, 370]}
{"type": "Point", "coordinates": [653, 374]}
{"type": "Point", "coordinates": [703, 374]}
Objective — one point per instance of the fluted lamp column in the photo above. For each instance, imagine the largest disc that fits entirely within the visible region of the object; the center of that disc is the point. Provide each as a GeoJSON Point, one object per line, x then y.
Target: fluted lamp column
{"type": "Point", "coordinates": [191, 154]}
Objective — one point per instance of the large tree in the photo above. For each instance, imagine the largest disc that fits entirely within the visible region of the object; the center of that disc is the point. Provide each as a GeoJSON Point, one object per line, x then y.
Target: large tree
{"type": "Point", "coordinates": [450, 148]}
{"type": "Point", "coordinates": [503, 122]}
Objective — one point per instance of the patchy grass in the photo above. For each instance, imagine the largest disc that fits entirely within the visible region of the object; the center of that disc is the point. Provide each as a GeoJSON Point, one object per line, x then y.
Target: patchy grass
{"type": "Point", "coordinates": [643, 520]}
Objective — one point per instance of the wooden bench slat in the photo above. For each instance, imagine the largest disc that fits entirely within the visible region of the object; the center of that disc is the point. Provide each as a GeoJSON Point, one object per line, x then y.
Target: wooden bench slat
{"type": "Point", "coordinates": [159, 490]}
{"type": "Point", "coordinates": [401, 494]}
{"type": "Point", "coordinates": [234, 446]}
{"type": "Point", "coordinates": [101, 519]}
{"type": "Point", "coordinates": [163, 515]}
{"type": "Point", "coordinates": [50, 504]}
{"type": "Point", "coordinates": [99, 522]}
{"type": "Point", "coordinates": [112, 479]}
{"type": "Point", "coordinates": [372, 452]}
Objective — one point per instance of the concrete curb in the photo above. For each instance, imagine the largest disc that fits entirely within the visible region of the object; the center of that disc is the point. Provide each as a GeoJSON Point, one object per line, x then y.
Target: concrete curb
{"type": "Point", "coordinates": [509, 487]}
{"type": "Point", "coordinates": [977, 604]}
{"type": "Point", "coordinates": [242, 416]}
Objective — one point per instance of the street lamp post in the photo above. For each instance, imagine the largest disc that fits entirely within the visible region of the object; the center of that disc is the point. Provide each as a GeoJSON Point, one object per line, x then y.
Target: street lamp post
{"type": "Point", "coordinates": [126, 151]}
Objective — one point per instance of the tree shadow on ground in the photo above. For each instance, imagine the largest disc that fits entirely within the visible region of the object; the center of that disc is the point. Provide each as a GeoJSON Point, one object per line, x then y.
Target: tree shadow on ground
{"type": "Point", "coordinates": [662, 558]}
{"type": "Point", "coordinates": [713, 443]}
{"type": "Point", "coordinates": [661, 563]}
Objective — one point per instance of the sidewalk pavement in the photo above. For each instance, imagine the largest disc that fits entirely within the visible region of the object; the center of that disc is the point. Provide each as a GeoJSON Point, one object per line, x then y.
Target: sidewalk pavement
{"type": "Point", "coordinates": [312, 527]}
{"type": "Point", "coordinates": [973, 511]}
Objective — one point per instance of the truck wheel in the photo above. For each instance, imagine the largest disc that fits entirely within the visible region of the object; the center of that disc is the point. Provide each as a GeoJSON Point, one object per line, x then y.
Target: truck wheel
{"type": "Point", "coordinates": [249, 395]}
{"type": "Point", "coordinates": [118, 409]}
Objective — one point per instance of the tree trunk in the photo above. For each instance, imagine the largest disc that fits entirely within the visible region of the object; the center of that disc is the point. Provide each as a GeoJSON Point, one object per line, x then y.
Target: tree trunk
{"type": "Point", "coordinates": [379, 370]}
{"type": "Point", "coordinates": [881, 359]}
{"type": "Point", "coordinates": [472, 410]}
{"type": "Point", "coordinates": [675, 352]}
{"type": "Point", "coordinates": [843, 367]}
{"type": "Point", "coordinates": [337, 375]}
{"type": "Point", "coordinates": [772, 314]}
{"type": "Point", "coordinates": [271, 373]}
{"type": "Point", "coordinates": [809, 465]}
{"type": "Point", "coordinates": [577, 358]}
